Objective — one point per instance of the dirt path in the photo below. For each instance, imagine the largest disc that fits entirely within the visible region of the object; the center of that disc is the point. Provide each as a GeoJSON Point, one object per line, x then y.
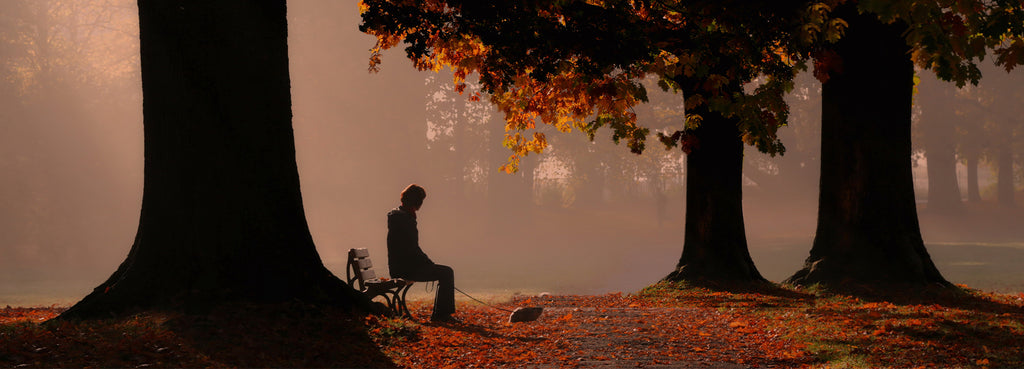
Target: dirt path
{"type": "Point", "coordinates": [607, 331]}
{"type": "Point", "coordinates": [623, 338]}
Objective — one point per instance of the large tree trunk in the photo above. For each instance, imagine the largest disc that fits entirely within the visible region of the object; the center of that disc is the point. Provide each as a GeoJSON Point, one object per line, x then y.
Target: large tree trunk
{"type": "Point", "coordinates": [1004, 180]}
{"type": "Point", "coordinates": [222, 217]}
{"type": "Point", "coordinates": [868, 233]}
{"type": "Point", "coordinates": [715, 244]}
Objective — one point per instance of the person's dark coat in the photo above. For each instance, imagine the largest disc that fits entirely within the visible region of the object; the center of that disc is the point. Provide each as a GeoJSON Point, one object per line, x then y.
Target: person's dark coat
{"type": "Point", "coordinates": [404, 253]}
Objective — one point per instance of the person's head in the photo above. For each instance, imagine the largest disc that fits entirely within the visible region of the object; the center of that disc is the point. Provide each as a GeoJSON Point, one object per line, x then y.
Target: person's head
{"type": "Point", "coordinates": [412, 196]}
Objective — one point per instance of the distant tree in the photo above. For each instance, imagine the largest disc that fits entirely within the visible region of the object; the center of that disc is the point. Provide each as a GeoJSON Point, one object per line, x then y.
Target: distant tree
{"type": "Point", "coordinates": [971, 152]}
{"type": "Point", "coordinates": [62, 62]}
{"type": "Point", "coordinates": [578, 65]}
{"type": "Point", "coordinates": [937, 139]}
{"type": "Point", "coordinates": [975, 135]}
{"type": "Point", "coordinates": [452, 137]}
{"type": "Point", "coordinates": [789, 183]}
{"type": "Point", "coordinates": [599, 175]}
{"type": "Point", "coordinates": [662, 171]}
{"type": "Point", "coordinates": [997, 127]}
{"type": "Point", "coordinates": [1007, 118]}
{"type": "Point", "coordinates": [222, 216]}
{"type": "Point", "coordinates": [463, 140]}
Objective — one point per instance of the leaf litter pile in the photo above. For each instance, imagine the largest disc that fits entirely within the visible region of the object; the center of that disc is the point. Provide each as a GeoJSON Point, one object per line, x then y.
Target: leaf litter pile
{"type": "Point", "coordinates": [665, 325]}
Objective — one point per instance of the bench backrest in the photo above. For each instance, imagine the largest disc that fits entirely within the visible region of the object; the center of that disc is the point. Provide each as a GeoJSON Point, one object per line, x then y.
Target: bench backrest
{"type": "Point", "coordinates": [359, 269]}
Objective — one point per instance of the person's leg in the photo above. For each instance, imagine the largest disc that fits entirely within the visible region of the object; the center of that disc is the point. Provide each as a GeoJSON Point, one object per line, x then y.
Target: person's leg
{"type": "Point", "coordinates": [444, 298]}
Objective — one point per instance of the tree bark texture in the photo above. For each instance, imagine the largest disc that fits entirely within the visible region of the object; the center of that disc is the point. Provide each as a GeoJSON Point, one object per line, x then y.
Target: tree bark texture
{"type": "Point", "coordinates": [868, 232]}
{"type": "Point", "coordinates": [715, 242]}
{"type": "Point", "coordinates": [222, 216]}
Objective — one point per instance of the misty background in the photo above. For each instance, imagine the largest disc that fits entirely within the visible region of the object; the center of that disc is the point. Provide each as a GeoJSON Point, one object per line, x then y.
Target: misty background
{"type": "Point", "coordinates": [584, 217]}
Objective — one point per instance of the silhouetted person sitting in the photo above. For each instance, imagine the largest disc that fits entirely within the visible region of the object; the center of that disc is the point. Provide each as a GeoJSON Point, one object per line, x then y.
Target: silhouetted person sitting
{"type": "Point", "coordinates": [406, 260]}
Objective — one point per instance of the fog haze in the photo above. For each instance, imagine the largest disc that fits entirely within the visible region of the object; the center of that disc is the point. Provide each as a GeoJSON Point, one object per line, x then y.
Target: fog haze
{"type": "Point", "coordinates": [584, 217]}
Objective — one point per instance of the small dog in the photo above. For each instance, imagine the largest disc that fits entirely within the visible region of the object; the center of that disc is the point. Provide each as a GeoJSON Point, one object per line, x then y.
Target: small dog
{"type": "Point", "coordinates": [525, 314]}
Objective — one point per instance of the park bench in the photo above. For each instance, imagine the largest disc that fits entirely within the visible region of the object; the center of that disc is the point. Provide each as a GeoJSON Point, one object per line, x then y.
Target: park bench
{"type": "Point", "coordinates": [361, 276]}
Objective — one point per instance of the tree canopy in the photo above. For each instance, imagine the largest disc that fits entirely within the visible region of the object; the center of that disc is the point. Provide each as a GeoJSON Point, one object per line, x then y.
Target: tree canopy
{"type": "Point", "coordinates": [577, 64]}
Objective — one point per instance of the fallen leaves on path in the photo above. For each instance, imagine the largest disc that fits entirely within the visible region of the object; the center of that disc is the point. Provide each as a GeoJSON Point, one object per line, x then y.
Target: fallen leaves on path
{"type": "Point", "coordinates": [11, 315]}
{"type": "Point", "coordinates": [587, 331]}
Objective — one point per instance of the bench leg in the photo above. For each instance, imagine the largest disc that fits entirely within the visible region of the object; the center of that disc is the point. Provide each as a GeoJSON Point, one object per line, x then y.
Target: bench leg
{"type": "Point", "coordinates": [403, 310]}
{"type": "Point", "coordinates": [391, 301]}
{"type": "Point", "coordinates": [395, 298]}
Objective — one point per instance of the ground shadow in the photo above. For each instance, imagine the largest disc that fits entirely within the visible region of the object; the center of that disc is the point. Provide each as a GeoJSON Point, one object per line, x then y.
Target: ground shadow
{"type": "Point", "coordinates": [754, 287]}
{"type": "Point", "coordinates": [949, 296]}
{"type": "Point", "coordinates": [281, 335]}
{"type": "Point", "coordinates": [949, 340]}
{"type": "Point", "coordinates": [482, 331]}
{"type": "Point", "coordinates": [763, 294]}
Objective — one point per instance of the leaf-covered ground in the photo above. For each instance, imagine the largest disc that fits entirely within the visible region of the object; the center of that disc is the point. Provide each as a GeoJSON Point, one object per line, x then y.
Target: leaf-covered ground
{"type": "Point", "coordinates": [674, 325]}
{"type": "Point", "coordinates": [898, 329]}
{"type": "Point", "coordinates": [662, 326]}
{"type": "Point", "coordinates": [589, 331]}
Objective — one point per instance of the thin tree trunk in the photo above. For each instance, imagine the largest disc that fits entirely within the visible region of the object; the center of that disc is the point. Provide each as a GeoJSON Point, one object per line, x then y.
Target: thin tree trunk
{"type": "Point", "coordinates": [1004, 182]}
{"type": "Point", "coordinates": [222, 217]}
{"type": "Point", "coordinates": [868, 232]}
{"type": "Point", "coordinates": [715, 243]}
{"type": "Point", "coordinates": [973, 193]}
{"type": "Point", "coordinates": [943, 191]}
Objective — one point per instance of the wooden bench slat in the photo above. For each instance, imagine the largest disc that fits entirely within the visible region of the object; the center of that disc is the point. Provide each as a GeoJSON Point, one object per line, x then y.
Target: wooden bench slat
{"type": "Point", "coordinates": [391, 283]}
{"type": "Point", "coordinates": [368, 274]}
{"type": "Point", "coordinates": [364, 263]}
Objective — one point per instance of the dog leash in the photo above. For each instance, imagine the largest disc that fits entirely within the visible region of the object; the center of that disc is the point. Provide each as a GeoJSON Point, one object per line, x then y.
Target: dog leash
{"type": "Point", "coordinates": [489, 305]}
